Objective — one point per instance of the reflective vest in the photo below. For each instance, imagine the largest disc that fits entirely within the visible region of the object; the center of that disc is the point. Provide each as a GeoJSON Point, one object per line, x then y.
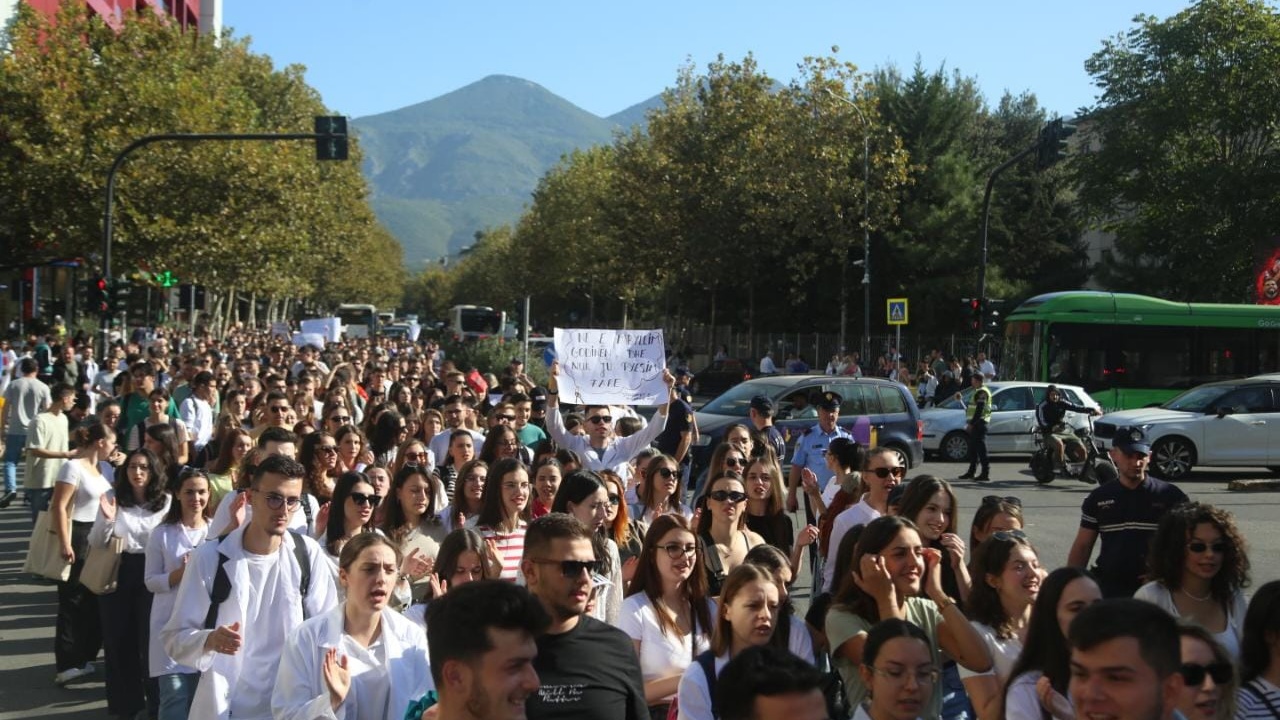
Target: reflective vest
{"type": "Point", "coordinates": [981, 395]}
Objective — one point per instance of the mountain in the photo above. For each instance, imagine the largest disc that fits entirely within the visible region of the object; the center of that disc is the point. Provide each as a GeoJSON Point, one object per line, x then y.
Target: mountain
{"type": "Point", "coordinates": [443, 169]}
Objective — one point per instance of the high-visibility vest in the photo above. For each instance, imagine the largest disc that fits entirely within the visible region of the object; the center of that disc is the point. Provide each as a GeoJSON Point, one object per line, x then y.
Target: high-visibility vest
{"type": "Point", "coordinates": [982, 395]}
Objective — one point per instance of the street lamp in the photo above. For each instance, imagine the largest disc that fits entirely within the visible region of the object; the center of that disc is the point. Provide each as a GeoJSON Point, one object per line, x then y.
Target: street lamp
{"type": "Point", "coordinates": [866, 237]}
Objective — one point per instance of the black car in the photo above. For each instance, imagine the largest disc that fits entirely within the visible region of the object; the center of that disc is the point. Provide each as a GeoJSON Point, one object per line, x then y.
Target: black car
{"type": "Point", "coordinates": [875, 411]}
{"type": "Point", "coordinates": [718, 377]}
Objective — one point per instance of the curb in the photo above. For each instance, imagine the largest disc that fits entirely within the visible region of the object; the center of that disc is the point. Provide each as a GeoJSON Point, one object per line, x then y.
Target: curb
{"type": "Point", "coordinates": [1253, 485]}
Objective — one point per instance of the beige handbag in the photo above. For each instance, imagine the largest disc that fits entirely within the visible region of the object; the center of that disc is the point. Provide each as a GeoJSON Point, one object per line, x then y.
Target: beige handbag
{"type": "Point", "coordinates": [101, 571]}
{"type": "Point", "coordinates": [44, 555]}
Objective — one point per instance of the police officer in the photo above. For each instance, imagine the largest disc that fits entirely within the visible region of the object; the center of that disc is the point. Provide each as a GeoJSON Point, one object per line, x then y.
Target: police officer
{"type": "Point", "coordinates": [978, 415]}
{"type": "Point", "coordinates": [681, 430]}
{"type": "Point", "coordinates": [811, 448]}
{"type": "Point", "coordinates": [761, 414]}
{"type": "Point", "coordinates": [1125, 515]}
{"type": "Point", "coordinates": [1049, 415]}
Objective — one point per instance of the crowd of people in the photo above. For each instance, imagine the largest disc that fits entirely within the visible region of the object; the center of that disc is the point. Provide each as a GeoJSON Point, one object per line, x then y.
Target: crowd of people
{"type": "Point", "coordinates": [367, 531]}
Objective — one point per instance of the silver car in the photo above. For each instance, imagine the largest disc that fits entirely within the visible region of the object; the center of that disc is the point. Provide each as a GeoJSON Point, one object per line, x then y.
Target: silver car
{"type": "Point", "coordinates": [1013, 419]}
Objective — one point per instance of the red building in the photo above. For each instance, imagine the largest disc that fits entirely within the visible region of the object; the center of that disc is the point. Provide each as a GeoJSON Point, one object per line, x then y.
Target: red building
{"type": "Point", "coordinates": [186, 12]}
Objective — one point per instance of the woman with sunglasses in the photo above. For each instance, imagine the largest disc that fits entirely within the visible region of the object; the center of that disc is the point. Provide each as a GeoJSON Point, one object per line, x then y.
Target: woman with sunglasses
{"type": "Point", "coordinates": [1009, 579]}
{"type": "Point", "coordinates": [898, 671]}
{"type": "Point", "coordinates": [1038, 682]}
{"type": "Point", "coordinates": [882, 474]}
{"type": "Point", "coordinates": [335, 415]}
{"type": "Point", "coordinates": [184, 527]}
{"type": "Point", "coordinates": [723, 528]}
{"type": "Point", "coordinates": [667, 612]}
{"type": "Point", "coordinates": [354, 503]}
{"type": "Point", "coordinates": [411, 525]}
{"type": "Point", "coordinates": [133, 507]}
{"type": "Point", "coordinates": [994, 514]}
{"type": "Point", "coordinates": [584, 495]}
{"type": "Point", "coordinates": [1197, 568]}
{"type": "Point", "coordinates": [746, 616]}
{"type": "Point", "coordinates": [224, 472]}
{"type": "Point", "coordinates": [547, 475]}
{"type": "Point", "coordinates": [319, 455]}
{"type": "Point", "coordinates": [625, 532]}
{"type": "Point", "coordinates": [504, 515]}
{"type": "Point", "coordinates": [361, 659]}
{"type": "Point", "coordinates": [895, 575]}
{"type": "Point", "coordinates": [352, 454]}
{"type": "Point", "coordinates": [662, 491]}
{"type": "Point", "coordinates": [1208, 676]}
{"type": "Point", "coordinates": [469, 497]}
{"type": "Point", "coordinates": [726, 456]}
{"type": "Point", "coordinates": [1259, 695]}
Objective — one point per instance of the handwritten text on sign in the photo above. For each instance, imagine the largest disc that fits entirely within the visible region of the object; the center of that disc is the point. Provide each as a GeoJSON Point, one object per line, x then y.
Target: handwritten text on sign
{"type": "Point", "coordinates": [613, 367]}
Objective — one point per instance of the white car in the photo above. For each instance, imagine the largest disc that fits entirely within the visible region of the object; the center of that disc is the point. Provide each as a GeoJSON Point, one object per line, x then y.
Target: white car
{"type": "Point", "coordinates": [1013, 419]}
{"type": "Point", "coordinates": [1221, 424]}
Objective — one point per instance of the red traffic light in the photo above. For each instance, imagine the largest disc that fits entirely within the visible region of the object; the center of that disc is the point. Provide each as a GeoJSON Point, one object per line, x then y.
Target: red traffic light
{"type": "Point", "coordinates": [102, 284]}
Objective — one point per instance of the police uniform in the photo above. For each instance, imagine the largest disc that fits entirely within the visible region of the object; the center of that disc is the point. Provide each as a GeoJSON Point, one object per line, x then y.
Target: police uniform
{"type": "Point", "coordinates": [811, 446]}
{"type": "Point", "coordinates": [1125, 520]}
{"type": "Point", "coordinates": [978, 415]}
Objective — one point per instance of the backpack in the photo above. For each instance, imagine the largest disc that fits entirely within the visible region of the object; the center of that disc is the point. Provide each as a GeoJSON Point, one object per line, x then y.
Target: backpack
{"type": "Point", "coordinates": [707, 661]}
{"type": "Point", "coordinates": [222, 582]}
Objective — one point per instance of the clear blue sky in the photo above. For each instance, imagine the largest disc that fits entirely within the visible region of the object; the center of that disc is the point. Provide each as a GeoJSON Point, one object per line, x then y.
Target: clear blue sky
{"type": "Point", "coordinates": [371, 56]}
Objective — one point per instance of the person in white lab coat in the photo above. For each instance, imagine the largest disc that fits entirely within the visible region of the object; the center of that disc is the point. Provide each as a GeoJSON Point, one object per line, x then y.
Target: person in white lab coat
{"type": "Point", "coordinates": [361, 660]}
{"type": "Point", "coordinates": [237, 647]}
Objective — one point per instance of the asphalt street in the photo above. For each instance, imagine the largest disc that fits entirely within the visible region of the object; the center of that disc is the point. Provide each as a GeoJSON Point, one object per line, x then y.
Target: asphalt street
{"type": "Point", "coordinates": [1052, 512]}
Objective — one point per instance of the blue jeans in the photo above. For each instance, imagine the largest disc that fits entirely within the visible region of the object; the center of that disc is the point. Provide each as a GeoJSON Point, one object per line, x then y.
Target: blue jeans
{"type": "Point", "coordinates": [38, 499]}
{"type": "Point", "coordinates": [176, 692]}
{"type": "Point", "coordinates": [13, 444]}
{"type": "Point", "coordinates": [955, 701]}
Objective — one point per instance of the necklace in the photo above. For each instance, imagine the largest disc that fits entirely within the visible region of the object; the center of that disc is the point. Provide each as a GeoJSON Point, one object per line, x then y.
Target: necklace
{"type": "Point", "coordinates": [1197, 598]}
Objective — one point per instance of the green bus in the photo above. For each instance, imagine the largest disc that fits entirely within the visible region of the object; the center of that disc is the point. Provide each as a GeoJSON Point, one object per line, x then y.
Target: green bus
{"type": "Point", "coordinates": [1131, 351]}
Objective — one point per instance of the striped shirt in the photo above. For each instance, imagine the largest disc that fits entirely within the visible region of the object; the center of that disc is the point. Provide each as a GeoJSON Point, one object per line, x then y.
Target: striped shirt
{"type": "Point", "coordinates": [1257, 700]}
{"type": "Point", "coordinates": [510, 549]}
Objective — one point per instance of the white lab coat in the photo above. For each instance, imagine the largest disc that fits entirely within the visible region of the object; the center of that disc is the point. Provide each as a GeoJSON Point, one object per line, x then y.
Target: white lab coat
{"type": "Point", "coordinates": [184, 635]}
{"type": "Point", "coordinates": [301, 692]}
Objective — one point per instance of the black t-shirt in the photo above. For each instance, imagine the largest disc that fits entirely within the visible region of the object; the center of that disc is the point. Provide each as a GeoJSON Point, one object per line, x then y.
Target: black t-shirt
{"type": "Point", "coordinates": [589, 672]}
{"type": "Point", "coordinates": [679, 421]}
{"type": "Point", "coordinates": [1125, 520]}
{"type": "Point", "coordinates": [776, 530]}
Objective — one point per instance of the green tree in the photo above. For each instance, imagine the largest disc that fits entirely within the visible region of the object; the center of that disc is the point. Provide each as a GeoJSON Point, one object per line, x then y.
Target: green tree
{"type": "Point", "coordinates": [1182, 163]}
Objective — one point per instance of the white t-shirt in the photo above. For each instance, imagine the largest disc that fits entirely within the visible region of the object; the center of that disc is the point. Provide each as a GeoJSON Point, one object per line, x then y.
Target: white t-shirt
{"type": "Point", "coordinates": [859, 513]}
{"type": "Point", "coordinates": [661, 654]}
{"type": "Point", "coordinates": [89, 489]}
{"type": "Point", "coordinates": [264, 641]}
{"type": "Point", "coordinates": [1004, 653]}
{"type": "Point", "coordinates": [134, 524]}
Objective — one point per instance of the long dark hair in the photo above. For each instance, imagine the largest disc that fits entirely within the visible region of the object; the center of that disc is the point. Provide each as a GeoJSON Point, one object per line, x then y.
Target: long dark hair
{"type": "Point", "coordinates": [920, 491]}
{"type": "Point", "coordinates": [1261, 625]}
{"type": "Point", "coordinates": [496, 436]}
{"type": "Point", "coordinates": [875, 537]}
{"type": "Point", "coordinates": [576, 487]}
{"type": "Point", "coordinates": [394, 519]}
{"type": "Point", "coordinates": [451, 548]}
{"type": "Point", "coordinates": [157, 482]}
{"type": "Point", "coordinates": [386, 433]}
{"type": "Point", "coordinates": [1166, 561]}
{"type": "Point", "coordinates": [447, 460]}
{"type": "Point", "coordinates": [648, 579]}
{"type": "Point", "coordinates": [983, 604]}
{"type": "Point", "coordinates": [456, 509]}
{"type": "Point", "coordinates": [338, 509]}
{"type": "Point", "coordinates": [648, 494]}
{"type": "Point", "coordinates": [312, 459]}
{"type": "Point", "coordinates": [163, 433]}
{"type": "Point", "coordinates": [1046, 649]}
{"type": "Point", "coordinates": [225, 462]}
{"type": "Point", "coordinates": [491, 511]}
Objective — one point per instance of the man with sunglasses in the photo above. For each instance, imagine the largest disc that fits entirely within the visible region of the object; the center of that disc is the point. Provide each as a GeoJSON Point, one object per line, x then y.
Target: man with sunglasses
{"type": "Point", "coordinates": [589, 669]}
{"type": "Point", "coordinates": [266, 581]}
{"type": "Point", "coordinates": [600, 449]}
{"type": "Point", "coordinates": [1125, 514]}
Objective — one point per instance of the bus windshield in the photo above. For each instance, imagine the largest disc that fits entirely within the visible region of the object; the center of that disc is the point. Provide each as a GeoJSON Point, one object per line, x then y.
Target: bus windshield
{"type": "Point", "coordinates": [480, 321]}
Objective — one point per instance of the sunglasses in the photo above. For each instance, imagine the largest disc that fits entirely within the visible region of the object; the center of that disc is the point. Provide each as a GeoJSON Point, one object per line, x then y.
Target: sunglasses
{"type": "Point", "coordinates": [882, 473]}
{"type": "Point", "coordinates": [732, 496]}
{"type": "Point", "coordinates": [601, 419]}
{"type": "Point", "coordinates": [363, 499]}
{"type": "Point", "coordinates": [573, 569]}
{"type": "Point", "coordinates": [667, 473]}
{"type": "Point", "coordinates": [328, 449]}
{"type": "Point", "coordinates": [1194, 674]}
{"type": "Point", "coordinates": [340, 419]}
{"type": "Point", "coordinates": [997, 499]}
{"type": "Point", "coordinates": [1199, 546]}
{"type": "Point", "coordinates": [508, 418]}
{"type": "Point", "coordinates": [415, 456]}
{"type": "Point", "coordinates": [1009, 535]}
{"type": "Point", "coordinates": [280, 409]}
{"type": "Point", "coordinates": [735, 462]}
{"type": "Point", "coordinates": [675, 551]}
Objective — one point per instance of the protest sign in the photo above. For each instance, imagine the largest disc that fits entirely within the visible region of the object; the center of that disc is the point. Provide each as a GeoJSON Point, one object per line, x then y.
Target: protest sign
{"type": "Point", "coordinates": [611, 367]}
{"type": "Point", "coordinates": [328, 328]}
{"type": "Point", "coordinates": [281, 329]}
{"type": "Point", "coordinates": [315, 340]}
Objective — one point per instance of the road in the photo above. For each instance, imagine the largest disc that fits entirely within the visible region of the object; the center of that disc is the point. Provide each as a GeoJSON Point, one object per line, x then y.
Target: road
{"type": "Point", "coordinates": [1052, 513]}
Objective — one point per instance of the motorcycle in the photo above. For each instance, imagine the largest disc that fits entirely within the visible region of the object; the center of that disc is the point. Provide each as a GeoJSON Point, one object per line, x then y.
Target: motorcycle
{"type": "Point", "coordinates": [1084, 460]}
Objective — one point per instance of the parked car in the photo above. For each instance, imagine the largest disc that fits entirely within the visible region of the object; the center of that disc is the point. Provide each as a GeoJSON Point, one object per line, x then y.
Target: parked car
{"type": "Point", "coordinates": [1013, 419]}
{"type": "Point", "coordinates": [877, 412]}
{"type": "Point", "coordinates": [1220, 424]}
{"type": "Point", "coordinates": [719, 376]}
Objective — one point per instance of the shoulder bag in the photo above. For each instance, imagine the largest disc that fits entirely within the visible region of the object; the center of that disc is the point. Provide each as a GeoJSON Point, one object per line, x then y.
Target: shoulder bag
{"type": "Point", "coordinates": [44, 555]}
{"type": "Point", "coordinates": [101, 570]}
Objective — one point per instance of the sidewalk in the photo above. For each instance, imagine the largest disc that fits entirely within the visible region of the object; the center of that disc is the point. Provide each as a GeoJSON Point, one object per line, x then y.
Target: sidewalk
{"type": "Point", "coordinates": [27, 611]}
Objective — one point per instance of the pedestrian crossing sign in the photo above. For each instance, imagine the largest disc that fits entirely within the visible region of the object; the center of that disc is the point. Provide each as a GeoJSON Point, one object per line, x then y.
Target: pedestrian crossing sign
{"type": "Point", "coordinates": [897, 311]}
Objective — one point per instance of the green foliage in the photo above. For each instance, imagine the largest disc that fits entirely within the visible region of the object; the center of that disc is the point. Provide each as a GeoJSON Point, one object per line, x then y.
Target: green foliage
{"type": "Point", "coordinates": [261, 216]}
{"type": "Point", "coordinates": [1183, 165]}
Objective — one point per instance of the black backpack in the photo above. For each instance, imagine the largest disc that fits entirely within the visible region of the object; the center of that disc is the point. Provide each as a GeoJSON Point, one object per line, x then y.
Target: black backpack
{"type": "Point", "coordinates": [222, 583]}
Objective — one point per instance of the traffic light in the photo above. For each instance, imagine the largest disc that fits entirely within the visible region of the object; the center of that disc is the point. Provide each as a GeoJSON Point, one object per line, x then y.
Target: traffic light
{"type": "Point", "coordinates": [332, 145]}
{"type": "Point", "coordinates": [100, 297]}
{"type": "Point", "coordinates": [1052, 145]}
{"type": "Point", "coordinates": [522, 322]}
{"type": "Point", "coordinates": [974, 308]}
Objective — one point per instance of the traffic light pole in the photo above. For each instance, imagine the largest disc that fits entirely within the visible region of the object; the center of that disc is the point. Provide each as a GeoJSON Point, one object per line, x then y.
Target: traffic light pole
{"type": "Point", "coordinates": [986, 222]}
{"type": "Point", "coordinates": [107, 223]}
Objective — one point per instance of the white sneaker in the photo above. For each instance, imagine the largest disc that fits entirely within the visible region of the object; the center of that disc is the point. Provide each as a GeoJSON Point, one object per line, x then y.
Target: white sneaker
{"type": "Point", "coordinates": [67, 676]}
